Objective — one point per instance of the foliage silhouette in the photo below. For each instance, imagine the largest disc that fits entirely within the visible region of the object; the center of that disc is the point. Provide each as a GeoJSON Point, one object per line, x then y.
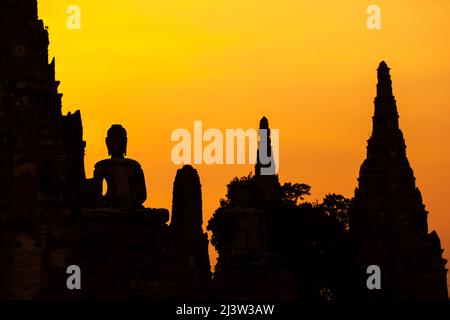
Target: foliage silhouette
{"type": "Point", "coordinates": [312, 236]}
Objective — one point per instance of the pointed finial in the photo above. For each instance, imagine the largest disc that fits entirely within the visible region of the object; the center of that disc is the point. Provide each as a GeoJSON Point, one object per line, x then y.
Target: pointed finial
{"type": "Point", "coordinates": [383, 65]}
{"type": "Point", "coordinates": [265, 143]}
{"type": "Point", "coordinates": [384, 86]}
{"type": "Point", "coordinates": [264, 123]}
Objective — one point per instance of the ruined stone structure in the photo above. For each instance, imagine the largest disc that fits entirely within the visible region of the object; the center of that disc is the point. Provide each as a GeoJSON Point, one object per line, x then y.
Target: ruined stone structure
{"type": "Point", "coordinates": [388, 220]}
{"type": "Point", "coordinates": [52, 217]}
{"type": "Point", "coordinates": [187, 236]}
{"type": "Point", "coordinates": [254, 267]}
{"type": "Point", "coordinates": [267, 185]}
{"type": "Point", "coordinates": [41, 156]}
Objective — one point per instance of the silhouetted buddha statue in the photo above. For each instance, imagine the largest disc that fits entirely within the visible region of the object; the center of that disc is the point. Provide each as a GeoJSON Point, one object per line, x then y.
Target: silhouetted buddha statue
{"type": "Point", "coordinates": [124, 177]}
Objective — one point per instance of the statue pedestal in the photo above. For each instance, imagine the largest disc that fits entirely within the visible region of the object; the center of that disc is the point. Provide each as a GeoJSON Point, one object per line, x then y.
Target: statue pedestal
{"type": "Point", "coordinates": [144, 215]}
{"type": "Point", "coordinates": [123, 253]}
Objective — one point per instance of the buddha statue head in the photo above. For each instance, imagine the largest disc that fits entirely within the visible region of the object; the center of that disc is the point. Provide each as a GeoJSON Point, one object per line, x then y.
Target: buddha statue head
{"type": "Point", "coordinates": [116, 141]}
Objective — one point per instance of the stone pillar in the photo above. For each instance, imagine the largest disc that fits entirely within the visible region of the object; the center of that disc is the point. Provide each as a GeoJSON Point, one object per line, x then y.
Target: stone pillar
{"type": "Point", "coordinates": [190, 243]}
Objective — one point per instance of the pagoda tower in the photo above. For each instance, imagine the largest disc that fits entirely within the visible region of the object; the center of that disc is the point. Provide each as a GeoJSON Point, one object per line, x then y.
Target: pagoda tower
{"type": "Point", "coordinates": [190, 244]}
{"type": "Point", "coordinates": [388, 220]}
{"type": "Point", "coordinates": [41, 156]}
{"type": "Point", "coordinates": [266, 176]}
{"type": "Point", "coordinates": [187, 201]}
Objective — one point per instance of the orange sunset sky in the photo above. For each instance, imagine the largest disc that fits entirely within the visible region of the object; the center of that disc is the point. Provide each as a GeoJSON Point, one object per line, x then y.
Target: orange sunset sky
{"type": "Point", "coordinates": [309, 66]}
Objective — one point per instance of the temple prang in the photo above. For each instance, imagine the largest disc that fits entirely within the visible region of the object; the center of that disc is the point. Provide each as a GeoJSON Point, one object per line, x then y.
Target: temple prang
{"type": "Point", "coordinates": [253, 265]}
{"type": "Point", "coordinates": [388, 220]}
{"type": "Point", "coordinates": [41, 157]}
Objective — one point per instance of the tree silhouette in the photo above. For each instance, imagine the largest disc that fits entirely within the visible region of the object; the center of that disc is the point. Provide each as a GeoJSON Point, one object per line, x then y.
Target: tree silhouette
{"type": "Point", "coordinates": [313, 236]}
{"type": "Point", "coordinates": [336, 206]}
{"type": "Point", "coordinates": [291, 194]}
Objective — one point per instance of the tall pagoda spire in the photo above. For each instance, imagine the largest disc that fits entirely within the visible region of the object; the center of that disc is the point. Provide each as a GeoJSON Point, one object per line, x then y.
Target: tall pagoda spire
{"type": "Point", "coordinates": [264, 149]}
{"type": "Point", "coordinates": [266, 177]}
{"type": "Point", "coordinates": [388, 220]}
{"type": "Point", "coordinates": [387, 140]}
{"type": "Point", "coordinates": [384, 86]}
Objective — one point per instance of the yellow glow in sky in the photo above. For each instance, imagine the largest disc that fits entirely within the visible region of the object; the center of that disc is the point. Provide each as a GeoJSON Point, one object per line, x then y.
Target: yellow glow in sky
{"type": "Point", "coordinates": [309, 66]}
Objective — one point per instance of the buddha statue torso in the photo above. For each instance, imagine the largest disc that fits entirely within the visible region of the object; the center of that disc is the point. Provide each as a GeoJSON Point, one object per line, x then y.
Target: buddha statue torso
{"type": "Point", "coordinates": [124, 180]}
